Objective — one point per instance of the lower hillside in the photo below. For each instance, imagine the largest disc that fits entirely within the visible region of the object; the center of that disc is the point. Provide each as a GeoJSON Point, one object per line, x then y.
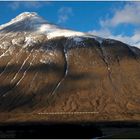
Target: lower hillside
{"type": "Point", "coordinates": [61, 80]}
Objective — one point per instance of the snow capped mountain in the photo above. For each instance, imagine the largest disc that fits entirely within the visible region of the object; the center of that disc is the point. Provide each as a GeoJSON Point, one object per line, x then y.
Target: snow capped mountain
{"type": "Point", "coordinates": [31, 22]}
{"type": "Point", "coordinates": [45, 69]}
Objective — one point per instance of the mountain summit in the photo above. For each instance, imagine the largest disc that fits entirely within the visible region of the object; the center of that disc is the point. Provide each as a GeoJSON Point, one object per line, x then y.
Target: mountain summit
{"type": "Point", "coordinates": [32, 22]}
{"type": "Point", "coordinates": [49, 73]}
{"type": "Point", "coordinates": [25, 16]}
{"type": "Point", "coordinates": [25, 19]}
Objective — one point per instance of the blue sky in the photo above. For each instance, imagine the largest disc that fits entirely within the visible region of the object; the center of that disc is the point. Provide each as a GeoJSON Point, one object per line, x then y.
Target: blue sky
{"type": "Point", "coordinates": [119, 20]}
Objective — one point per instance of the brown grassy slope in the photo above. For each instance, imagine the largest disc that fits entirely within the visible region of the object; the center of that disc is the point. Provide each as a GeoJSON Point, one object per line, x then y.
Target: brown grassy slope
{"type": "Point", "coordinates": [101, 79]}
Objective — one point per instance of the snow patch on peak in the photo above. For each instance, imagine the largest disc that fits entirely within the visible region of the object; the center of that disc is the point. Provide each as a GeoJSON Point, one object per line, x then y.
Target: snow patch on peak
{"type": "Point", "coordinates": [53, 31]}
{"type": "Point", "coordinates": [30, 19]}
{"type": "Point", "coordinates": [24, 15]}
{"type": "Point", "coordinates": [27, 14]}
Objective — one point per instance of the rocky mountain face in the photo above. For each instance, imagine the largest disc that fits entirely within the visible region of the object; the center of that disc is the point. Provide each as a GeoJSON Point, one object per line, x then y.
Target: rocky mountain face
{"type": "Point", "coordinates": [49, 73]}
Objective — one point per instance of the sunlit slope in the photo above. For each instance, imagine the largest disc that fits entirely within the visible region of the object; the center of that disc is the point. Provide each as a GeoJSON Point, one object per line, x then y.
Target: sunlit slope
{"type": "Point", "coordinates": [57, 74]}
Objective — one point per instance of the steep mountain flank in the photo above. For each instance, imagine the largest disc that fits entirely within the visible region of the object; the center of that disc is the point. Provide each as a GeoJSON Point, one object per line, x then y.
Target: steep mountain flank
{"type": "Point", "coordinates": [54, 74]}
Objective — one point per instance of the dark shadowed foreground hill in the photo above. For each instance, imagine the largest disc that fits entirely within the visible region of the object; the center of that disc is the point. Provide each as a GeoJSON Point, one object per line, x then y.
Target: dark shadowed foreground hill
{"type": "Point", "coordinates": [53, 74]}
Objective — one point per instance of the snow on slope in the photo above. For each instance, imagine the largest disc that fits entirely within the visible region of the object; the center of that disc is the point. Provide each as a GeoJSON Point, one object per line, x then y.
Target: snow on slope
{"type": "Point", "coordinates": [39, 25]}
{"type": "Point", "coordinates": [30, 19]}
{"type": "Point", "coordinates": [53, 31]}
{"type": "Point", "coordinates": [36, 24]}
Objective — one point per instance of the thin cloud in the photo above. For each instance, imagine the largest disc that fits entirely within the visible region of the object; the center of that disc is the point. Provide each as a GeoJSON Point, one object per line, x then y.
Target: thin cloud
{"type": "Point", "coordinates": [130, 13]}
{"type": "Point", "coordinates": [133, 40]}
{"type": "Point", "coordinates": [64, 13]}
